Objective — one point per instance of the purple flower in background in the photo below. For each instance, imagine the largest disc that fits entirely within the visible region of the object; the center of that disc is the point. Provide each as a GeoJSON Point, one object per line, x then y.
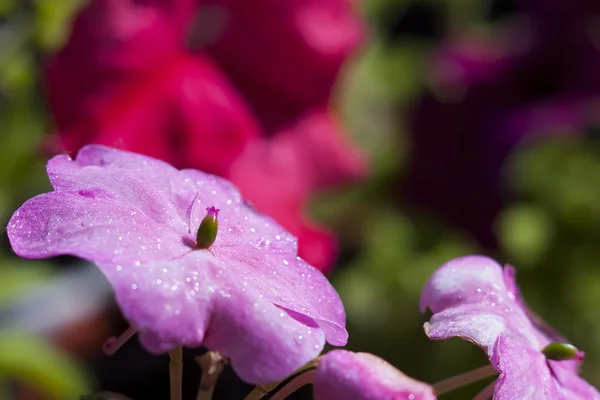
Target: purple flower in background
{"type": "Point", "coordinates": [355, 376]}
{"type": "Point", "coordinates": [476, 299]}
{"type": "Point", "coordinates": [531, 78]}
{"type": "Point", "coordinates": [248, 295]}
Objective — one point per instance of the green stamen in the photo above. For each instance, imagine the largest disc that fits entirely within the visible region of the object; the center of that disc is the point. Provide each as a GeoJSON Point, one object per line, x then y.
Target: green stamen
{"type": "Point", "coordinates": [207, 232]}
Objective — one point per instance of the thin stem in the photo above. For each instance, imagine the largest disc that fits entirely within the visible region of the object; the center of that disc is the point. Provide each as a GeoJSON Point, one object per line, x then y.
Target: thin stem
{"type": "Point", "coordinates": [257, 393]}
{"type": "Point", "coordinates": [486, 393]}
{"type": "Point", "coordinates": [176, 372]}
{"type": "Point", "coordinates": [305, 378]}
{"type": "Point", "coordinates": [461, 380]}
{"type": "Point", "coordinates": [113, 343]}
{"type": "Point", "coordinates": [212, 364]}
{"type": "Point", "coordinates": [285, 387]}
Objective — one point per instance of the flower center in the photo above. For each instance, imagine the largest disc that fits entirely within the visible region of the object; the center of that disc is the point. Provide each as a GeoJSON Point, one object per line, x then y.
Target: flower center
{"type": "Point", "coordinates": [207, 232]}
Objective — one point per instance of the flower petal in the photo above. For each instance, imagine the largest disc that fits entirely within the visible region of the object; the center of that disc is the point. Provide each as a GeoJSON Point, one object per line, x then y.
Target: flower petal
{"type": "Point", "coordinates": [114, 34]}
{"type": "Point", "coordinates": [469, 298]}
{"type": "Point", "coordinates": [526, 375]}
{"type": "Point", "coordinates": [273, 343]}
{"type": "Point", "coordinates": [285, 57]}
{"type": "Point", "coordinates": [264, 255]}
{"type": "Point", "coordinates": [154, 187]}
{"type": "Point", "coordinates": [355, 376]}
{"type": "Point", "coordinates": [91, 224]}
{"type": "Point", "coordinates": [195, 300]}
{"type": "Point", "coordinates": [476, 299]}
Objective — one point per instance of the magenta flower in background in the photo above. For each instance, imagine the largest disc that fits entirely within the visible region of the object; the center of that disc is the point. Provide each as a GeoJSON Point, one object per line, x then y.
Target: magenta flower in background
{"type": "Point", "coordinates": [248, 296]}
{"type": "Point", "coordinates": [476, 299]}
{"type": "Point", "coordinates": [279, 178]}
{"type": "Point", "coordinates": [356, 376]}
{"type": "Point", "coordinates": [127, 79]}
{"type": "Point", "coordinates": [284, 56]}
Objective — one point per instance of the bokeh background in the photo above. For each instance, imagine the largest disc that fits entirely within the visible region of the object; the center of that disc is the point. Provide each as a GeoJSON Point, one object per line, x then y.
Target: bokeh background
{"type": "Point", "coordinates": [481, 121]}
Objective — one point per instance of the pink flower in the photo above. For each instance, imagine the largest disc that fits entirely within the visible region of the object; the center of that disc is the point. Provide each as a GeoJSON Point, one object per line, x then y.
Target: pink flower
{"type": "Point", "coordinates": [476, 299]}
{"type": "Point", "coordinates": [125, 79]}
{"type": "Point", "coordinates": [248, 296]}
{"type": "Point", "coordinates": [285, 56]}
{"type": "Point", "coordinates": [183, 112]}
{"type": "Point", "coordinates": [356, 376]}
{"type": "Point", "coordinates": [280, 174]}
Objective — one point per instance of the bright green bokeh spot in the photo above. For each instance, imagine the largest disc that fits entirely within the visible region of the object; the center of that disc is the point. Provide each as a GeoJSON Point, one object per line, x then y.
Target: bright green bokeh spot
{"type": "Point", "coordinates": [525, 232]}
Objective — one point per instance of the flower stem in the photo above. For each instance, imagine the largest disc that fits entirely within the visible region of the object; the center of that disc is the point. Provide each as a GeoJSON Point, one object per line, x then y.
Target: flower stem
{"type": "Point", "coordinates": [461, 380]}
{"type": "Point", "coordinates": [176, 372]}
{"type": "Point", "coordinates": [280, 390]}
{"type": "Point", "coordinates": [212, 364]}
{"type": "Point", "coordinates": [305, 378]}
{"type": "Point", "coordinates": [487, 393]}
{"type": "Point", "coordinates": [113, 343]}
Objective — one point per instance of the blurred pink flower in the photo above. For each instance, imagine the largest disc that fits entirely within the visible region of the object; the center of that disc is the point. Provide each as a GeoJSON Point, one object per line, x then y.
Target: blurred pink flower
{"type": "Point", "coordinates": [476, 299]}
{"type": "Point", "coordinates": [279, 175]}
{"type": "Point", "coordinates": [248, 296]}
{"type": "Point", "coordinates": [169, 113]}
{"type": "Point", "coordinates": [284, 56]}
{"type": "Point", "coordinates": [125, 79]}
{"type": "Point", "coordinates": [361, 376]}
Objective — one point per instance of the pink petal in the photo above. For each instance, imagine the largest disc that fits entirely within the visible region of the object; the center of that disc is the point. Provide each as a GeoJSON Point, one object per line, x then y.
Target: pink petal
{"type": "Point", "coordinates": [198, 300]}
{"type": "Point", "coordinates": [526, 375]}
{"type": "Point", "coordinates": [155, 188]}
{"type": "Point", "coordinates": [285, 57]}
{"type": "Point", "coordinates": [321, 149]}
{"type": "Point", "coordinates": [249, 296]}
{"type": "Point", "coordinates": [91, 224]}
{"type": "Point", "coordinates": [157, 114]}
{"type": "Point", "coordinates": [263, 254]}
{"type": "Point", "coordinates": [114, 34]}
{"type": "Point", "coordinates": [356, 376]}
{"type": "Point", "coordinates": [469, 298]}
{"type": "Point", "coordinates": [475, 299]}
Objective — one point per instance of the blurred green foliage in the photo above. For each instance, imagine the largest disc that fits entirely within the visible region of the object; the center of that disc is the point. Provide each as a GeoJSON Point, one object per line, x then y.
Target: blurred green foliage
{"type": "Point", "coordinates": [27, 30]}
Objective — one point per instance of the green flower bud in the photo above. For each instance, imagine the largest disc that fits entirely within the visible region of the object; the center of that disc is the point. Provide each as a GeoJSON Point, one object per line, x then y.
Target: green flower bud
{"type": "Point", "coordinates": [562, 351]}
{"type": "Point", "coordinates": [207, 232]}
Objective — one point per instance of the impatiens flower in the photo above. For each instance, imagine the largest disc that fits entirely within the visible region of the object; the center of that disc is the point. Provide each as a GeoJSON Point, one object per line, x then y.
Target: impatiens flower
{"type": "Point", "coordinates": [280, 174]}
{"type": "Point", "coordinates": [285, 57]}
{"type": "Point", "coordinates": [183, 111]}
{"type": "Point", "coordinates": [362, 376]}
{"type": "Point", "coordinates": [128, 79]}
{"type": "Point", "coordinates": [243, 293]}
{"type": "Point", "coordinates": [476, 299]}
